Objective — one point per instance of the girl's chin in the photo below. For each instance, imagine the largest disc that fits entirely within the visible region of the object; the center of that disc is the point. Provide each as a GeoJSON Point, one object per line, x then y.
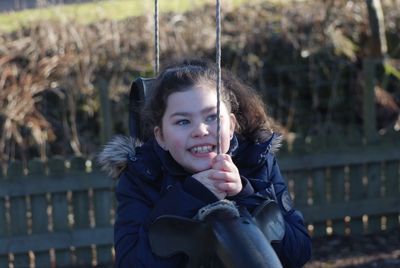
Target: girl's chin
{"type": "Point", "coordinates": [199, 168]}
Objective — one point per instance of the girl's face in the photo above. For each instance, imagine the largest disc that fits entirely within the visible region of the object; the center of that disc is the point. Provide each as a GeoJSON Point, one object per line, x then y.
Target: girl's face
{"type": "Point", "coordinates": [189, 127]}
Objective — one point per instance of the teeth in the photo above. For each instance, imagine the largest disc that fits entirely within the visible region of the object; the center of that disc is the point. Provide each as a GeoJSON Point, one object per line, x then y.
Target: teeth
{"type": "Point", "coordinates": [201, 149]}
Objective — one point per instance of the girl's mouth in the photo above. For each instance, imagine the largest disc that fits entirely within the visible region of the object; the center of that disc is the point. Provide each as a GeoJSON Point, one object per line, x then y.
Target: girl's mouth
{"type": "Point", "coordinates": [202, 149]}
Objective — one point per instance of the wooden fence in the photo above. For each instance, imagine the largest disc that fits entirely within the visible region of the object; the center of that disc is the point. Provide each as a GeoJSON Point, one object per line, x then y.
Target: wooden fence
{"type": "Point", "coordinates": [62, 214]}
{"type": "Point", "coordinates": [346, 193]}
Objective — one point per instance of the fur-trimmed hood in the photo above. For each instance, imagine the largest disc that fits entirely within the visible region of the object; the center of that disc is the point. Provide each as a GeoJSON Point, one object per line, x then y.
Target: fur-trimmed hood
{"type": "Point", "coordinates": [115, 154]}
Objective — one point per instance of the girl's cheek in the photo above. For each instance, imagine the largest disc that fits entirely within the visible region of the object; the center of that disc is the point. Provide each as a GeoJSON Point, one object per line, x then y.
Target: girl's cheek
{"type": "Point", "coordinates": [177, 141]}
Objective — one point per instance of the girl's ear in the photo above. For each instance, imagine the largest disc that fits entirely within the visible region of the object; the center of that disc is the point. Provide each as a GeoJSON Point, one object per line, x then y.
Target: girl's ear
{"type": "Point", "coordinates": [232, 126]}
{"type": "Point", "coordinates": [159, 137]}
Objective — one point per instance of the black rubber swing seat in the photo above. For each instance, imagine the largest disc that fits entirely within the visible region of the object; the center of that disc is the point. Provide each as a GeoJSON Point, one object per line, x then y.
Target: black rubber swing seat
{"type": "Point", "coordinates": [140, 90]}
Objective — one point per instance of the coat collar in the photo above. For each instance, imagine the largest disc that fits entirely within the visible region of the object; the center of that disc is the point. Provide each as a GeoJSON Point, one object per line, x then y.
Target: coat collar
{"type": "Point", "coordinates": [251, 154]}
{"type": "Point", "coordinates": [168, 163]}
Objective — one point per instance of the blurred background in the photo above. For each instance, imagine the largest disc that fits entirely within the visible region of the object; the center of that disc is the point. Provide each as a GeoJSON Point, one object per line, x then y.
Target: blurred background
{"type": "Point", "coordinates": [329, 73]}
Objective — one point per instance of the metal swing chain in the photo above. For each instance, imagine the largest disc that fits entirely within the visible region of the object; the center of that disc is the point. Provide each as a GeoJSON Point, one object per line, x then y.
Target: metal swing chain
{"type": "Point", "coordinates": [218, 62]}
{"type": "Point", "coordinates": [156, 39]}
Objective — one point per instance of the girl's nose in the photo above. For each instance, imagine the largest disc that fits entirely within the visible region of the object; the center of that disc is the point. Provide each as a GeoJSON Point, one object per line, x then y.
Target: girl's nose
{"type": "Point", "coordinates": [200, 130]}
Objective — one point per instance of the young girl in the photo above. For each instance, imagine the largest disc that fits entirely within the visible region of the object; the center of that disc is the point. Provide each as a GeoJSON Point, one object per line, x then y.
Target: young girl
{"type": "Point", "coordinates": [177, 171]}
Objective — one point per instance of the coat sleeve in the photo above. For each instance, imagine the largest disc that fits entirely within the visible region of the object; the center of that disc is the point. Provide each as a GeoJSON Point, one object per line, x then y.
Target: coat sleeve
{"type": "Point", "coordinates": [136, 210]}
{"type": "Point", "coordinates": [295, 248]}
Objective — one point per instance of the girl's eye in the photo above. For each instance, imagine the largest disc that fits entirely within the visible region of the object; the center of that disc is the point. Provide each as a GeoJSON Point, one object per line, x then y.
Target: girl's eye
{"type": "Point", "coordinates": [211, 118]}
{"type": "Point", "coordinates": [182, 122]}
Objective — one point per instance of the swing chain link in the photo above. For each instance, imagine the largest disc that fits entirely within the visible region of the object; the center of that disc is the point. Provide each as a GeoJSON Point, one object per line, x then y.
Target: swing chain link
{"type": "Point", "coordinates": [156, 39]}
{"type": "Point", "coordinates": [218, 62]}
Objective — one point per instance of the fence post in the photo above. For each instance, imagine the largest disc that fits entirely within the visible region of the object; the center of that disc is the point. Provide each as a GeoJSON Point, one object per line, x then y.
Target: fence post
{"type": "Point", "coordinates": [40, 222]}
{"type": "Point", "coordinates": [392, 187]}
{"type": "Point", "coordinates": [18, 212]}
{"type": "Point", "coordinates": [319, 195]}
{"type": "Point", "coordinates": [59, 202]}
{"type": "Point", "coordinates": [374, 192]}
{"type": "Point", "coordinates": [357, 193]}
{"type": "Point", "coordinates": [81, 211]}
{"type": "Point", "coordinates": [337, 191]}
{"type": "Point", "coordinates": [103, 205]}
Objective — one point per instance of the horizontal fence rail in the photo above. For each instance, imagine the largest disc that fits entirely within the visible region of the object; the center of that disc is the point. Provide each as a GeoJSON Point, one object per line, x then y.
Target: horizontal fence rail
{"type": "Point", "coordinates": [61, 213]}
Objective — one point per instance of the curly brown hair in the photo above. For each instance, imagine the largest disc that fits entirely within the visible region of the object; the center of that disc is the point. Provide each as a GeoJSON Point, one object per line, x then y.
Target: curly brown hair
{"type": "Point", "coordinates": [243, 101]}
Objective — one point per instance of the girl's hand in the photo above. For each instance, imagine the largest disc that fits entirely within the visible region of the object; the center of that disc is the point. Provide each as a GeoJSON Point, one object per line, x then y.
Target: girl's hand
{"type": "Point", "coordinates": [205, 178]}
{"type": "Point", "coordinates": [226, 175]}
{"type": "Point", "coordinates": [223, 179]}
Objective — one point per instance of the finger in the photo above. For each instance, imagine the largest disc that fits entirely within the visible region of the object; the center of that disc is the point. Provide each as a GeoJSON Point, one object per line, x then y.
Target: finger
{"type": "Point", "coordinates": [230, 188]}
{"type": "Point", "coordinates": [204, 174]}
{"type": "Point", "coordinates": [225, 165]}
{"type": "Point", "coordinates": [222, 157]}
{"type": "Point", "coordinates": [205, 178]}
{"type": "Point", "coordinates": [225, 176]}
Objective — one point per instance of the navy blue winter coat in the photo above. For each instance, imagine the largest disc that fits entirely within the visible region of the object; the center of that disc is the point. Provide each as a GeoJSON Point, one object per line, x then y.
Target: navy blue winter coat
{"type": "Point", "coordinates": [152, 184]}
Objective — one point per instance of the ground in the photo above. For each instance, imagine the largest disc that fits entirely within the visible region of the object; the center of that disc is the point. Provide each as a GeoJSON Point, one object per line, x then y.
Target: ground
{"type": "Point", "coordinates": [381, 250]}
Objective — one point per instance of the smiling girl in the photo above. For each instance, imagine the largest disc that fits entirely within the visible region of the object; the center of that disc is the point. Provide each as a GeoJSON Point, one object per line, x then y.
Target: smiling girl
{"type": "Point", "coordinates": [177, 171]}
